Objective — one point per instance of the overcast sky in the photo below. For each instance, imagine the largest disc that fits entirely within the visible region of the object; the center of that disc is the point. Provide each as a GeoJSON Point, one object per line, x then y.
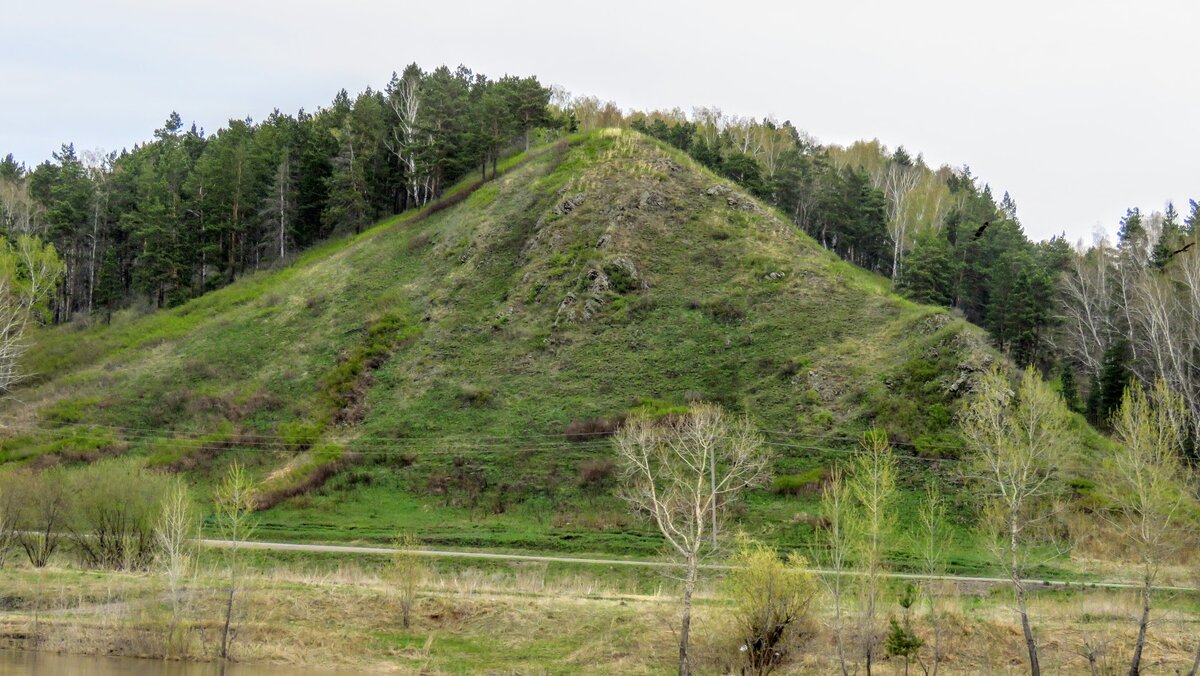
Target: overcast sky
{"type": "Point", "coordinates": [1079, 109]}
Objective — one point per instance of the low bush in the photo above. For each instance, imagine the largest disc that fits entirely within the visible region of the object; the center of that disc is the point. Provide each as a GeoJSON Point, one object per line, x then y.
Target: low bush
{"type": "Point", "coordinates": [593, 428]}
{"type": "Point", "coordinates": [725, 311]}
{"type": "Point", "coordinates": [596, 474]}
{"type": "Point", "coordinates": [807, 483]}
{"type": "Point", "coordinates": [418, 241]}
{"type": "Point", "coordinates": [473, 395]}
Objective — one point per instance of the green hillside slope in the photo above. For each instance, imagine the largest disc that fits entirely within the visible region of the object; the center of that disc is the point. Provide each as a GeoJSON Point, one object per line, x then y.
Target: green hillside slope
{"type": "Point", "coordinates": [425, 374]}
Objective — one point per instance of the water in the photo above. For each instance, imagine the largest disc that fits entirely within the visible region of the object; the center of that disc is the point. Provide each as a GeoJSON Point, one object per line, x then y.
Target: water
{"type": "Point", "coordinates": [20, 663]}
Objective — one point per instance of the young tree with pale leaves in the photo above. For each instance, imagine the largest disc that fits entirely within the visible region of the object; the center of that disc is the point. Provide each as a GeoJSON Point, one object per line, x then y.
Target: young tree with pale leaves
{"type": "Point", "coordinates": [1145, 482]}
{"type": "Point", "coordinates": [234, 503]}
{"type": "Point", "coordinates": [685, 471]}
{"type": "Point", "coordinates": [872, 485]}
{"type": "Point", "coordinates": [1016, 440]}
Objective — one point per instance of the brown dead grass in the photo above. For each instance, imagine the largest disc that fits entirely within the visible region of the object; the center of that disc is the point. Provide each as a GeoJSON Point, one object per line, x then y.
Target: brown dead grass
{"type": "Point", "coordinates": [472, 620]}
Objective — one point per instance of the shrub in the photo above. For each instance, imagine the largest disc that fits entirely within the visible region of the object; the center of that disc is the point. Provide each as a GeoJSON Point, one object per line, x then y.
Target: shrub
{"type": "Point", "coordinates": [596, 474]}
{"type": "Point", "coordinates": [343, 387]}
{"type": "Point", "coordinates": [473, 395]}
{"type": "Point", "coordinates": [941, 445]}
{"type": "Point", "coordinates": [657, 408]}
{"type": "Point", "coordinates": [71, 410]}
{"type": "Point", "coordinates": [620, 279]}
{"type": "Point", "coordinates": [593, 428]}
{"type": "Point", "coordinates": [112, 512]}
{"type": "Point", "coordinates": [725, 311]}
{"type": "Point", "coordinates": [792, 366]}
{"type": "Point", "coordinates": [299, 435]}
{"type": "Point", "coordinates": [418, 241]}
{"type": "Point", "coordinates": [771, 605]}
{"type": "Point", "coordinates": [806, 483]}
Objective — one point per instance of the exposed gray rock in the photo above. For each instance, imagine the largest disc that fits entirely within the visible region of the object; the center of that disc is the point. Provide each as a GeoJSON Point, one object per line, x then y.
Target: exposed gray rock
{"type": "Point", "coordinates": [651, 200]}
{"type": "Point", "coordinates": [570, 204]}
{"type": "Point", "coordinates": [665, 164]}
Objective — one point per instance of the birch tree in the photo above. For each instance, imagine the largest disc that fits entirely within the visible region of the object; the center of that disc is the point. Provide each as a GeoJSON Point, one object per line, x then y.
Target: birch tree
{"type": "Point", "coordinates": [1144, 480]}
{"type": "Point", "coordinates": [1087, 311]}
{"type": "Point", "coordinates": [29, 272]}
{"type": "Point", "coordinates": [1016, 439]}
{"type": "Point", "coordinates": [684, 472]}
{"type": "Point", "coordinates": [406, 574]}
{"type": "Point", "coordinates": [897, 182]}
{"type": "Point", "coordinates": [404, 97]}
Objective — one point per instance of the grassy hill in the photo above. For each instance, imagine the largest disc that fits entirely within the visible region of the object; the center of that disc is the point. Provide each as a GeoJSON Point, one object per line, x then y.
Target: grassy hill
{"type": "Point", "coordinates": [454, 373]}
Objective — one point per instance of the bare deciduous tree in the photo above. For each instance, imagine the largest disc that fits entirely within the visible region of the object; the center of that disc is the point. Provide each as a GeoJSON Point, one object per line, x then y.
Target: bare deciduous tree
{"type": "Point", "coordinates": [1086, 312]}
{"type": "Point", "coordinates": [897, 182]}
{"type": "Point", "coordinates": [681, 482]}
{"type": "Point", "coordinates": [1016, 441]}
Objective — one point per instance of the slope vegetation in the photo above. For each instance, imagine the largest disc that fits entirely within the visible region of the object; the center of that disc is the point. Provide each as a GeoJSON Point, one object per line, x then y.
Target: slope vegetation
{"type": "Point", "coordinates": [455, 373]}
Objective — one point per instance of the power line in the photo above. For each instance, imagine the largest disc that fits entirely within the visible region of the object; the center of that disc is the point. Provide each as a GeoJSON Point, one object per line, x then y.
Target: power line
{"type": "Point", "coordinates": [449, 445]}
{"type": "Point", "coordinates": [451, 436]}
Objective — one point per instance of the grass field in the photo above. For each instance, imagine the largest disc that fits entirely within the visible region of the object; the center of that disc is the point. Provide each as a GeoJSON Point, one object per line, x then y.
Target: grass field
{"type": "Point", "coordinates": [339, 612]}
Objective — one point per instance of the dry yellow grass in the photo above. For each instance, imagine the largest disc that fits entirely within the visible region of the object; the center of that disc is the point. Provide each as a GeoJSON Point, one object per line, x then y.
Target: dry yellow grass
{"type": "Point", "coordinates": [474, 620]}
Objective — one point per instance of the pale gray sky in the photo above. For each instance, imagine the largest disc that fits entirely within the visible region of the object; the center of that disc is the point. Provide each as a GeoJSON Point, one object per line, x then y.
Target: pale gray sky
{"type": "Point", "coordinates": [1079, 109]}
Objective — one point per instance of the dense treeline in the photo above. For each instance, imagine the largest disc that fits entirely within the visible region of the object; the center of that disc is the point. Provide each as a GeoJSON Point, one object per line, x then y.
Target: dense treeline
{"type": "Point", "coordinates": [187, 211]}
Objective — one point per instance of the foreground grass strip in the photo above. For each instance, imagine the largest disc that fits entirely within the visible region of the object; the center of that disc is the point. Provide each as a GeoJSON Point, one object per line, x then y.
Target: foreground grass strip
{"type": "Point", "coordinates": [352, 549]}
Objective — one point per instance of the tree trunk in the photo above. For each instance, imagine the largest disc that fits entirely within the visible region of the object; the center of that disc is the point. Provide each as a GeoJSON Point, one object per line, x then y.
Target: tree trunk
{"type": "Point", "coordinates": [689, 586]}
{"type": "Point", "coordinates": [937, 646]}
{"type": "Point", "coordinates": [1035, 668]}
{"type": "Point", "coordinates": [1195, 661]}
{"type": "Point", "coordinates": [1135, 666]}
{"type": "Point", "coordinates": [228, 617]}
{"type": "Point", "coordinates": [837, 614]}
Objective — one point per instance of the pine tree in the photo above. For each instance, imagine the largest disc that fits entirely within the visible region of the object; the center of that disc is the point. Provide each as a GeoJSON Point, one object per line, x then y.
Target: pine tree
{"type": "Point", "coordinates": [1109, 387]}
{"type": "Point", "coordinates": [930, 270]}
{"type": "Point", "coordinates": [109, 288]}
{"type": "Point", "coordinates": [1169, 238]}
